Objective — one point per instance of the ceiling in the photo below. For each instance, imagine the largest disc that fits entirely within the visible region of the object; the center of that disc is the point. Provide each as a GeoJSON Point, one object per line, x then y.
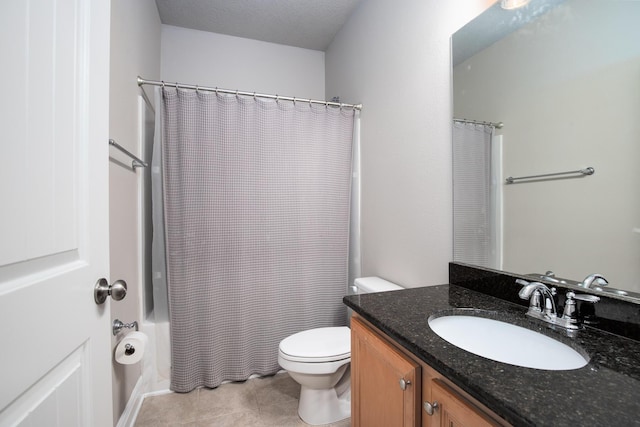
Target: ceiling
{"type": "Point", "coordinates": [309, 24]}
{"type": "Point", "coordinates": [494, 24]}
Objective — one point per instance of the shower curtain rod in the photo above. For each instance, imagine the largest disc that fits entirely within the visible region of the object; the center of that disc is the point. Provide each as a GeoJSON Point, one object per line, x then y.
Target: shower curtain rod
{"type": "Point", "coordinates": [498, 125]}
{"type": "Point", "coordinates": [142, 81]}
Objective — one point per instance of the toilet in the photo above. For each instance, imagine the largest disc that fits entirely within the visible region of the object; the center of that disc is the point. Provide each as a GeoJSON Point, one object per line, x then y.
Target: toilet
{"type": "Point", "coordinates": [318, 359]}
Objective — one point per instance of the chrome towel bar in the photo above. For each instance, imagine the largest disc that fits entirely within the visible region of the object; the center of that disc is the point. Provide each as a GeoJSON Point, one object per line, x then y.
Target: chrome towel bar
{"type": "Point", "coordinates": [586, 171]}
{"type": "Point", "coordinates": [136, 163]}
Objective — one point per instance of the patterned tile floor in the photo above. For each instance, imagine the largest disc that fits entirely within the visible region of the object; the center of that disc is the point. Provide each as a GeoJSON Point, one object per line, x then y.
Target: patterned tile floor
{"type": "Point", "coordinates": [259, 402]}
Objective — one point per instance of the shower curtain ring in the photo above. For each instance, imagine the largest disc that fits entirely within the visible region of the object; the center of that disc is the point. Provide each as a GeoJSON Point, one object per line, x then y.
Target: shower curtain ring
{"type": "Point", "coordinates": [216, 90]}
{"type": "Point", "coordinates": [162, 84]}
{"type": "Point", "coordinates": [294, 100]}
{"type": "Point", "coordinates": [197, 88]}
{"type": "Point", "coordinates": [237, 93]}
{"type": "Point", "coordinates": [254, 96]}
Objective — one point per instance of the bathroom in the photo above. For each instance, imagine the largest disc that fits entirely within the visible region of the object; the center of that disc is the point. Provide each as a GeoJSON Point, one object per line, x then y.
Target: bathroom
{"type": "Point", "coordinates": [394, 59]}
{"type": "Point", "coordinates": [407, 229]}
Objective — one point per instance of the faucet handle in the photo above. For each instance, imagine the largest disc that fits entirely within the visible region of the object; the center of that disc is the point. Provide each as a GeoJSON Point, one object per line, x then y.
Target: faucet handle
{"type": "Point", "coordinates": [584, 297]}
{"type": "Point", "coordinates": [570, 315]}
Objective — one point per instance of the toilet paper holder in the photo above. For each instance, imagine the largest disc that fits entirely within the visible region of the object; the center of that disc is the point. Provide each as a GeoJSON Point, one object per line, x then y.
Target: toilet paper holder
{"type": "Point", "coordinates": [118, 325]}
{"type": "Point", "coordinates": [129, 349]}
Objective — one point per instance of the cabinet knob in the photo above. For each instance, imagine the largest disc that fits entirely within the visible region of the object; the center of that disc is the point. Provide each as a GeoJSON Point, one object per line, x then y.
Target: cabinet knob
{"type": "Point", "coordinates": [430, 408]}
{"type": "Point", "coordinates": [404, 383]}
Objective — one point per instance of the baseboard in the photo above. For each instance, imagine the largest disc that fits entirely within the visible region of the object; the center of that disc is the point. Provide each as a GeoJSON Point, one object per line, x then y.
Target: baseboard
{"type": "Point", "coordinates": [130, 413]}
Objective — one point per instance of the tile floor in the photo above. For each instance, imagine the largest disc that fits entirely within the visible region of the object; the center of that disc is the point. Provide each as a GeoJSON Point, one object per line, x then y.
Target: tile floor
{"type": "Point", "coordinates": [259, 402]}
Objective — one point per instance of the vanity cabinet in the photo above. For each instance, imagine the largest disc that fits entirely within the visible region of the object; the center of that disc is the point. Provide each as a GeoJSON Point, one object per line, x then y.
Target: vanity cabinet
{"type": "Point", "coordinates": [385, 388]}
{"type": "Point", "coordinates": [391, 387]}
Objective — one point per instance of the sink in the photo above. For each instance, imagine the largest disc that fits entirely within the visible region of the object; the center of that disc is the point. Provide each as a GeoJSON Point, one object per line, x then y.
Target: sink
{"type": "Point", "coordinates": [506, 343]}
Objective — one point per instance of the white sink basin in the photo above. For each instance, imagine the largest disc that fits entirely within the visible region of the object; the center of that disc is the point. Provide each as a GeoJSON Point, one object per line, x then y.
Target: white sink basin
{"type": "Point", "coordinates": [507, 343]}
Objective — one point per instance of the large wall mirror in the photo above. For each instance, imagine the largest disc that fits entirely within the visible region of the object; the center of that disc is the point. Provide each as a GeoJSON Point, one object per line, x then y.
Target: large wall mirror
{"type": "Point", "coordinates": [564, 79]}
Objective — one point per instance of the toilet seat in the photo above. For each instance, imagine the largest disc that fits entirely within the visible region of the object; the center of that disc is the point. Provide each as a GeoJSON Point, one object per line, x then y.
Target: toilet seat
{"type": "Point", "coordinates": [318, 345]}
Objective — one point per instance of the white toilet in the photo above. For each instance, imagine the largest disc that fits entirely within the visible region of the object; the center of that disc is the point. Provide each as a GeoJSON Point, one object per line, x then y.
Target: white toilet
{"type": "Point", "coordinates": [318, 359]}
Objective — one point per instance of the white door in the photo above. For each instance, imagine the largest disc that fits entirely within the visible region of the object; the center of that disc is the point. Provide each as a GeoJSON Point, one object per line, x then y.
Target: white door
{"type": "Point", "coordinates": [55, 356]}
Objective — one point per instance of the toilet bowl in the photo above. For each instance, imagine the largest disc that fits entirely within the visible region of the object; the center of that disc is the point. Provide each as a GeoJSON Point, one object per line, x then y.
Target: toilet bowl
{"type": "Point", "coordinates": [318, 359]}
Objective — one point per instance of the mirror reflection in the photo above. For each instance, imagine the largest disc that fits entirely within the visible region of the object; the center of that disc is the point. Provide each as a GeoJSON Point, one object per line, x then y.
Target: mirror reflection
{"type": "Point", "coordinates": [564, 79]}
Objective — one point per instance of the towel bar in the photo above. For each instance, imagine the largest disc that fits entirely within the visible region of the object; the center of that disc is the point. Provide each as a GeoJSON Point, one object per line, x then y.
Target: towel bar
{"type": "Point", "coordinates": [585, 171]}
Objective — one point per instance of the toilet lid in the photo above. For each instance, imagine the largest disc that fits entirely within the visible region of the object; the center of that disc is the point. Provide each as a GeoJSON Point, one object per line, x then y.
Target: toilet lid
{"type": "Point", "coordinates": [318, 345]}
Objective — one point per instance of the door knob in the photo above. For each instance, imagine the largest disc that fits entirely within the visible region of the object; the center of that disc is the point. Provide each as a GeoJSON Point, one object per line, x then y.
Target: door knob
{"type": "Point", "coordinates": [404, 383]}
{"type": "Point", "coordinates": [117, 291]}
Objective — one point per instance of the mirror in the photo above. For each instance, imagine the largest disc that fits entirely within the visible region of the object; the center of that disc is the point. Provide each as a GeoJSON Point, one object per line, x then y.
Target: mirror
{"type": "Point", "coordinates": [564, 78]}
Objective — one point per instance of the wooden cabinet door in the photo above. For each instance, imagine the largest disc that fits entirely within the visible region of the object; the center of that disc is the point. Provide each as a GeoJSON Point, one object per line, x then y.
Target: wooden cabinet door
{"type": "Point", "coordinates": [453, 410]}
{"type": "Point", "coordinates": [377, 395]}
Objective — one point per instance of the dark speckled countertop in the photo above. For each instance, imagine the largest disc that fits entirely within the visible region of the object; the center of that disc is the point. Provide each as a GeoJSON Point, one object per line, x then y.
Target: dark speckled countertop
{"type": "Point", "coordinates": [606, 392]}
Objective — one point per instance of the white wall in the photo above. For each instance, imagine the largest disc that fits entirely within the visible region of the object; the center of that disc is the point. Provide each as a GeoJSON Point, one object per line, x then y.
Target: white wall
{"type": "Point", "coordinates": [216, 60]}
{"type": "Point", "coordinates": [569, 99]}
{"type": "Point", "coordinates": [394, 57]}
{"type": "Point", "coordinates": [135, 50]}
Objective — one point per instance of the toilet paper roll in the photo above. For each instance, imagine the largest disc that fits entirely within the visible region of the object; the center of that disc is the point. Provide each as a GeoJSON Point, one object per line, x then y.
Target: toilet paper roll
{"type": "Point", "coordinates": [131, 348]}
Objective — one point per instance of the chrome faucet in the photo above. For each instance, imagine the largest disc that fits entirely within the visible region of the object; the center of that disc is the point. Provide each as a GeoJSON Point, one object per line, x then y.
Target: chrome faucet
{"type": "Point", "coordinates": [540, 297]}
{"type": "Point", "coordinates": [597, 278]}
{"type": "Point", "coordinates": [543, 306]}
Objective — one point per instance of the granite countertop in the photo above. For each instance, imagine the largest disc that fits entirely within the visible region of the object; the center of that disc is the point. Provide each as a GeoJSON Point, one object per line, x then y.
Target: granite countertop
{"type": "Point", "coordinates": [606, 392]}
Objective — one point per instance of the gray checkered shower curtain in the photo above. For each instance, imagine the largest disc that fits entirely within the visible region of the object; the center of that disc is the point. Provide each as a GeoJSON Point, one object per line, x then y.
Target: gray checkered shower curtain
{"type": "Point", "coordinates": [256, 203]}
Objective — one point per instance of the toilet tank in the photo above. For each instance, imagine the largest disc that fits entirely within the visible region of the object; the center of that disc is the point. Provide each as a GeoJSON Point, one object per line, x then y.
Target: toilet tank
{"type": "Point", "coordinates": [366, 285]}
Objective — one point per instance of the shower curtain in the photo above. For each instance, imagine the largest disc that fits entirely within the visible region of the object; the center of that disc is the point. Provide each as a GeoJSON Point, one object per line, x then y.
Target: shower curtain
{"type": "Point", "coordinates": [476, 195]}
{"type": "Point", "coordinates": [256, 203]}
